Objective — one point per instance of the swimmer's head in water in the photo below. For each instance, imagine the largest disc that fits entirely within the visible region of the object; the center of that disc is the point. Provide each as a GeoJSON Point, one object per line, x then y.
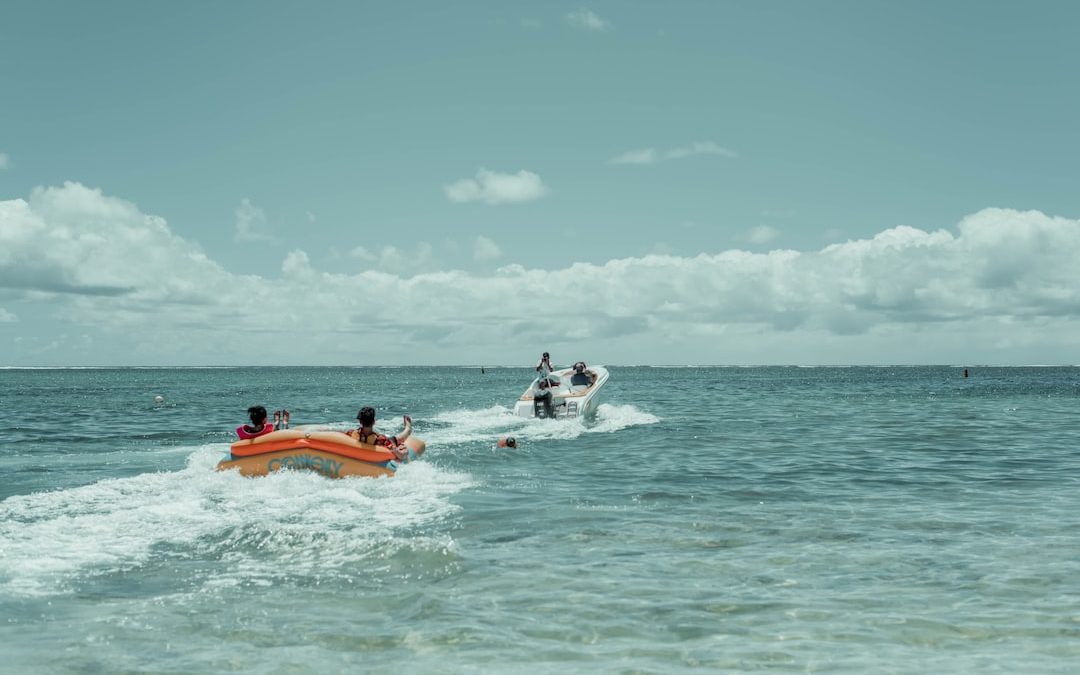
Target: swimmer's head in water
{"type": "Point", "coordinates": [510, 442]}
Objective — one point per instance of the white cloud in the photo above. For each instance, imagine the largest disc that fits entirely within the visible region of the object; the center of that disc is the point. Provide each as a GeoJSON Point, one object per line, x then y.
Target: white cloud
{"type": "Point", "coordinates": [361, 253]}
{"type": "Point", "coordinates": [7, 317]}
{"type": "Point", "coordinates": [396, 261]}
{"type": "Point", "coordinates": [651, 155]}
{"type": "Point", "coordinates": [699, 148]}
{"type": "Point", "coordinates": [485, 249]}
{"type": "Point", "coordinates": [643, 156]}
{"type": "Point", "coordinates": [75, 241]}
{"type": "Point", "coordinates": [491, 187]}
{"type": "Point", "coordinates": [762, 234]}
{"type": "Point", "coordinates": [296, 264]}
{"type": "Point", "coordinates": [587, 19]}
{"type": "Point", "coordinates": [310, 217]}
{"type": "Point", "coordinates": [999, 286]}
{"type": "Point", "coordinates": [5, 161]}
{"type": "Point", "coordinates": [250, 220]}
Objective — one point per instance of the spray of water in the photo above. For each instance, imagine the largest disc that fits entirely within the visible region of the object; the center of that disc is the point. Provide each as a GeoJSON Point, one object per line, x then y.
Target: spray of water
{"type": "Point", "coordinates": [293, 523]}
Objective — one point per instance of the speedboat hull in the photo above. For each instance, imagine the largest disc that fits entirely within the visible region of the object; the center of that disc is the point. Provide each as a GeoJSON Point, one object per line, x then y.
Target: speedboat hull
{"type": "Point", "coordinates": [330, 453]}
{"type": "Point", "coordinates": [567, 399]}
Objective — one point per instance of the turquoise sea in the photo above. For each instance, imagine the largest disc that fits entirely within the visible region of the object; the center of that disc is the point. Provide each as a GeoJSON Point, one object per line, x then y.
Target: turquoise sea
{"type": "Point", "coordinates": [862, 520]}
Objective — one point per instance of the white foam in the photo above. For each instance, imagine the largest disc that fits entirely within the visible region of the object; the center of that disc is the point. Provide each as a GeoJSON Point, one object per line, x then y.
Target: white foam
{"type": "Point", "coordinates": [455, 427]}
{"type": "Point", "coordinates": [611, 418]}
{"type": "Point", "coordinates": [467, 426]}
{"type": "Point", "coordinates": [293, 521]}
{"type": "Point", "coordinates": [299, 522]}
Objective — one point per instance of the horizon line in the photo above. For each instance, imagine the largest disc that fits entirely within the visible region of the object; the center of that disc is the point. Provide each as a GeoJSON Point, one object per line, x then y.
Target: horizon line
{"type": "Point", "coordinates": [506, 366]}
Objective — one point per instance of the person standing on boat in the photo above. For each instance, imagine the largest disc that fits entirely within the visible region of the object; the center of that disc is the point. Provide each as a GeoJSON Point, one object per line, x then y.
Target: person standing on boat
{"type": "Point", "coordinates": [543, 367]}
{"type": "Point", "coordinates": [366, 433]}
{"type": "Point", "coordinates": [544, 374]}
{"type": "Point", "coordinates": [258, 427]}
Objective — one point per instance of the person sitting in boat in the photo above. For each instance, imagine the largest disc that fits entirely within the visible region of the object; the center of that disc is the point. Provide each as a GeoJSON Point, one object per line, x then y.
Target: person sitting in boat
{"type": "Point", "coordinates": [580, 377]}
{"type": "Point", "coordinates": [542, 392]}
{"type": "Point", "coordinates": [365, 433]}
{"type": "Point", "coordinates": [258, 427]}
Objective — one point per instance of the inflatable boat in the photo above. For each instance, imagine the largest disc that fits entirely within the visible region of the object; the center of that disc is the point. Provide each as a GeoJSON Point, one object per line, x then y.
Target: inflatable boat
{"type": "Point", "coordinates": [330, 453]}
{"type": "Point", "coordinates": [573, 396]}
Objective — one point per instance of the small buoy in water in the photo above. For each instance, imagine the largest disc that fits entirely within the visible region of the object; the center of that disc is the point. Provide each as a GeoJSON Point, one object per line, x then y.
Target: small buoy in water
{"type": "Point", "coordinates": [508, 442]}
{"type": "Point", "coordinates": [159, 399]}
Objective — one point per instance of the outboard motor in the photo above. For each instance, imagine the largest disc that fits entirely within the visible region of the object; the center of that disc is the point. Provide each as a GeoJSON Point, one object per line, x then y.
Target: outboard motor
{"type": "Point", "coordinates": [542, 405]}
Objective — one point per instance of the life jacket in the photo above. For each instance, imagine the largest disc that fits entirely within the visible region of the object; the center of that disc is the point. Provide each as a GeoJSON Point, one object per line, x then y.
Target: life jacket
{"type": "Point", "coordinates": [243, 433]}
{"type": "Point", "coordinates": [372, 439]}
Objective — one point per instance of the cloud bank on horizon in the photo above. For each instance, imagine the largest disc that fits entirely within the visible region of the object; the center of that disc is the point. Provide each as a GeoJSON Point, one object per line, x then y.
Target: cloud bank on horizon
{"type": "Point", "coordinates": [1001, 286]}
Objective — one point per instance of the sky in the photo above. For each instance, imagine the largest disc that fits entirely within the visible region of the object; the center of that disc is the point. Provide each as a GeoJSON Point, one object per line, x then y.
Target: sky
{"type": "Point", "coordinates": [425, 183]}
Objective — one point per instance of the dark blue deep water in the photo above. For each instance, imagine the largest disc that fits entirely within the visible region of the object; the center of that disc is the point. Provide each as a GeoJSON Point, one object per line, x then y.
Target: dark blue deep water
{"type": "Point", "coordinates": [726, 519]}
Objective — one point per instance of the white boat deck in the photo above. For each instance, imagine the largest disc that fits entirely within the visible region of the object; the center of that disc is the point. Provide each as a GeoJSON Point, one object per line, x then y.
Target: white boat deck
{"type": "Point", "coordinates": [568, 400]}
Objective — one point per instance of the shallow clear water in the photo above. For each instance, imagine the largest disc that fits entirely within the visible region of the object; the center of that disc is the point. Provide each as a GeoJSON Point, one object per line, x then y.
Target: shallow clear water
{"type": "Point", "coordinates": [792, 519]}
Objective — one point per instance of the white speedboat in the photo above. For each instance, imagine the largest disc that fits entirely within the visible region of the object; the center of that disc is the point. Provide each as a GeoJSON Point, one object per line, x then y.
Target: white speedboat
{"type": "Point", "coordinates": [574, 395]}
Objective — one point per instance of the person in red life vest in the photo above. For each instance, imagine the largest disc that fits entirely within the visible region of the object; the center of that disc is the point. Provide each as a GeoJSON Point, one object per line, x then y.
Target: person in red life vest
{"type": "Point", "coordinates": [258, 427]}
{"type": "Point", "coordinates": [365, 433]}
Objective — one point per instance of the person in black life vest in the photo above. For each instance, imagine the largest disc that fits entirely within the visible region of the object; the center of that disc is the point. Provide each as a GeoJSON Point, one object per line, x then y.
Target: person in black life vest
{"type": "Point", "coordinates": [580, 377]}
{"type": "Point", "coordinates": [365, 433]}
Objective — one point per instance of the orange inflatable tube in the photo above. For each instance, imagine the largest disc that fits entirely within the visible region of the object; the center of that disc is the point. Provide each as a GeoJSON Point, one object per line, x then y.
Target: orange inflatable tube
{"type": "Point", "coordinates": [330, 453]}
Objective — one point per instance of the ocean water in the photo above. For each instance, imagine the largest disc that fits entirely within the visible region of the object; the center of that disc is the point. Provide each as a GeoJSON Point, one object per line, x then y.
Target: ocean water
{"type": "Point", "coordinates": [860, 520]}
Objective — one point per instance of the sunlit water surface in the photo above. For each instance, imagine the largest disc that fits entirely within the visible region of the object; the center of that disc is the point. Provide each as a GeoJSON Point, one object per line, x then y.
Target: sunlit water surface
{"type": "Point", "coordinates": [791, 519]}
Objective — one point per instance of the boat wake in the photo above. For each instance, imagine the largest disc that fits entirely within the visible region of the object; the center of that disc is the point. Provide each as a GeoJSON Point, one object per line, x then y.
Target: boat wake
{"type": "Point", "coordinates": [224, 530]}
{"type": "Point", "coordinates": [466, 427]}
{"type": "Point", "coordinates": [286, 526]}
